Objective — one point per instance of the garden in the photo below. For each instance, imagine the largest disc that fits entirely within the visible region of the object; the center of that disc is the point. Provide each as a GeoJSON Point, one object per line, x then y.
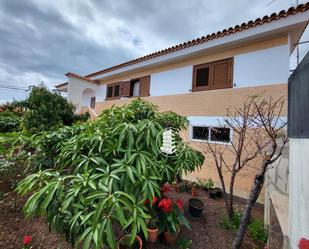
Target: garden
{"type": "Point", "coordinates": [66, 182]}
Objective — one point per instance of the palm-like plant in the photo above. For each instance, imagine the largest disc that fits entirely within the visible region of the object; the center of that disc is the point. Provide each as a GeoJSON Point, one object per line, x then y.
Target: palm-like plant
{"type": "Point", "coordinates": [102, 174]}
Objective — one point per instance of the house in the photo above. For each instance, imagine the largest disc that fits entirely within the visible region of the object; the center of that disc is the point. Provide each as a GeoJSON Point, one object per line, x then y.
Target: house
{"type": "Point", "coordinates": [201, 78]}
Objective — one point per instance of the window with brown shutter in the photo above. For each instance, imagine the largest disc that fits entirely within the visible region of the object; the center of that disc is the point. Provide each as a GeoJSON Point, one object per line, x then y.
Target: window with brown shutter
{"type": "Point", "coordinates": [113, 91]}
{"type": "Point", "coordinates": [139, 87]}
{"type": "Point", "coordinates": [144, 87]}
{"type": "Point", "coordinates": [214, 75]}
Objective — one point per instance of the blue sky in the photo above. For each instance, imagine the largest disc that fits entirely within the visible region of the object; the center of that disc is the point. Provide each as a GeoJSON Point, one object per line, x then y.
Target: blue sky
{"type": "Point", "coordinates": [41, 40]}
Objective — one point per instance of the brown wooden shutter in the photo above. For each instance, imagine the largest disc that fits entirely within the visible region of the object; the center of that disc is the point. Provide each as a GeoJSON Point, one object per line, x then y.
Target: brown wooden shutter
{"type": "Point", "coordinates": [222, 74]}
{"type": "Point", "coordinates": [125, 88]}
{"type": "Point", "coordinates": [144, 87]}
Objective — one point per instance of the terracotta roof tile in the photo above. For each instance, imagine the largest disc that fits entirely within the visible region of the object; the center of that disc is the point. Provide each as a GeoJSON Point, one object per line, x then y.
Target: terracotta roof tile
{"type": "Point", "coordinates": [74, 75]}
{"type": "Point", "coordinates": [61, 85]}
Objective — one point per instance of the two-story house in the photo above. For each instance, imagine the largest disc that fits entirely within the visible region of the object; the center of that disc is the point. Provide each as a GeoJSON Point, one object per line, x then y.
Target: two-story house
{"type": "Point", "coordinates": [201, 78]}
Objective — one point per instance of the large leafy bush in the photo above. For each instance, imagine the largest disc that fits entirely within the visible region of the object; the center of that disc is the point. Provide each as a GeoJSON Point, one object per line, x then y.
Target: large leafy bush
{"type": "Point", "coordinates": [46, 110]}
{"type": "Point", "coordinates": [102, 174]}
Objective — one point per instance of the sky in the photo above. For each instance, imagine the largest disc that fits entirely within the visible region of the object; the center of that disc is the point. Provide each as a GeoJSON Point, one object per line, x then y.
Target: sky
{"type": "Point", "coordinates": [41, 40]}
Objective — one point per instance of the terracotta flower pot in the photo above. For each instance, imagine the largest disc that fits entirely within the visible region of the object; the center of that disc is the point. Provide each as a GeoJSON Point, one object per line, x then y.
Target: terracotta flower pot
{"type": "Point", "coordinates": [138, 242]}
{"type": "Point", "coordinates": [171, 238]}
{"type": "Point", "coordinates": [153, 234]}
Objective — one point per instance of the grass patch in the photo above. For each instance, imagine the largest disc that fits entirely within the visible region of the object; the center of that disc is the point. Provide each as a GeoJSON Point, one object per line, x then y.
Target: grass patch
{"type": "Point", "coordinates": [255, 229]}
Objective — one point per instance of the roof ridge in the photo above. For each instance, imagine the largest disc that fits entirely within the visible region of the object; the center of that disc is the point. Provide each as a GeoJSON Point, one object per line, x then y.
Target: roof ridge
{"type": "Point", "coordinates": [206, 38]}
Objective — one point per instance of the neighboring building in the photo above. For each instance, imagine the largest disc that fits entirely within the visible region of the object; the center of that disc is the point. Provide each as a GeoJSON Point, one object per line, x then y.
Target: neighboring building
{"type": "Point", "coordinates": [287, 185]}
{"type": "Point", "coordinates": [201, 78]}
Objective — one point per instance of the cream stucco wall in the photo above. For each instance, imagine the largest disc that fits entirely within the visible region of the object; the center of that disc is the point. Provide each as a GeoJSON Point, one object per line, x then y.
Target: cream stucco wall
{"type": "Point", "coordinates": [209, 104]}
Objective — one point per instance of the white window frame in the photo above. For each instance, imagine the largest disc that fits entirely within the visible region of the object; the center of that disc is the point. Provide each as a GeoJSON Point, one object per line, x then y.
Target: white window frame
{"type": "Point", "coordinates": [209, 134]}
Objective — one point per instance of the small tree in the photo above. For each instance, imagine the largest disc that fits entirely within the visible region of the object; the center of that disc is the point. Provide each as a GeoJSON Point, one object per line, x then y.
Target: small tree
{"type": "Point", "coordinates": [248, 142]}
{"type": "Point", "coordinates": [267, 118]}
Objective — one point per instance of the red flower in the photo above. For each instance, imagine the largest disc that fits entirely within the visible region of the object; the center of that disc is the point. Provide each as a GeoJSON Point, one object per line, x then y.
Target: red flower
{"type": "Point", "coordinates": [27, 239]}
{"type": "Point", "coordinates": [179, 203]}
{"type": "Point", "coordinates": [303, 243]}
{"type": "Point", "coordinates": [165, 189]}
{"type": "Point", "coordinates": [154, 200]}
{"type": "Point", "coordinates": [166, 205]}
{"type": "Point", "coordinates": [146, 202]}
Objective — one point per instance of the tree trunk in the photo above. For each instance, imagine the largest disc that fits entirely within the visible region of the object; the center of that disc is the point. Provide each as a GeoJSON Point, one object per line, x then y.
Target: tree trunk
{"type": "Point", "coordinates": [231, 197]}
{"type": "Point", "coordinates": [255, 192]}
{"type": "Point", "coordinates": [223, 190]}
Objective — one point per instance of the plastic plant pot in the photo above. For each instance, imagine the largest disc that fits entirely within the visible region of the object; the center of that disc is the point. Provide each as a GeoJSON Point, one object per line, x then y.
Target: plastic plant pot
{"type": "Point", "coordinates": [196, 207]}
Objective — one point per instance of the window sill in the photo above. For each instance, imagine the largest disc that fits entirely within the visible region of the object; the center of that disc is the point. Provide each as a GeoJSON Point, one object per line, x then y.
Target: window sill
{"type": "Point", "coordinates": [210, 142]}
{"type": "Point", "coordinates": [199, 89]}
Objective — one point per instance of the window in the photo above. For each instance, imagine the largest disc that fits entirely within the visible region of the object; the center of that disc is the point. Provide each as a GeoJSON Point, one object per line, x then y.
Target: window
{"type": "Point", "coordinates": [135, 88]}
{"type": "Point", "coordinates": [92, 102]}
{"type": "Point", "coordinates": [220, 134]}
{"type": "Point", "coordinates": [211, 134]}
{"type": "Point", "coordinates": [113, 91]}
{"type": "Point", "coordinates": [200, 133]}
{"type": "Point", "coordinates": [214, 75]}
{"type": "Point", "coordinates": [202, 77]}
{"type": "Point", "coordinates": [132, 88]}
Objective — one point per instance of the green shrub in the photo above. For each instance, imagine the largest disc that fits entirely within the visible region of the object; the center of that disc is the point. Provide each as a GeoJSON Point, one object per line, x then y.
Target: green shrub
{"type": "Point", "coordinates": [9, 121]}
{"type": "Point", "coordinates": [46, 110]}
{"type": "Point", "coordinates": [257, 231]}
{"type": "Point", "coordinates": [100, 173]}
{"type": "Point", "coordinates": [255, 228]}
{"type": "Point", "coordinates": [231, 224]}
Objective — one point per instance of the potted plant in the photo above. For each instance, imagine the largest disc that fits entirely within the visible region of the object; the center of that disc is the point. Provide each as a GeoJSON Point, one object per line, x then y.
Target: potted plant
{"type": "Point", "coordinates": [153, 229]}
{"type": "Point", "coordinates": [194, 190]}
{"type": "Point", "coordinates": [205, 184]}
{"type": "Point", "coordinates": [153, 223]}
{"type": "Point", "coordinates": [218, 192]}
{"type": "Point", "coordinates": [196, 207]}
{"type": "Point", "coordinates": [171, 218]}
{"type": "Point", "coordinates": [212, 193]}
{"type": "Point", "coordinates": [126, 242]}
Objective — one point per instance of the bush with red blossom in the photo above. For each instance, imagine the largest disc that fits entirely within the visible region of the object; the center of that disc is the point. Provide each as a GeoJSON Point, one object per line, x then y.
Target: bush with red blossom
{"type": "Point", "coordinates": [171, 216]}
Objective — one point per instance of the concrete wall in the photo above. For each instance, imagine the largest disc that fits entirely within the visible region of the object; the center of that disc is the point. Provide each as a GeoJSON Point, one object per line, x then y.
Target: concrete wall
{"type": "Point", "coordinates": [276, 204]}
{"type": "Point", "coordinates": [299, 191]}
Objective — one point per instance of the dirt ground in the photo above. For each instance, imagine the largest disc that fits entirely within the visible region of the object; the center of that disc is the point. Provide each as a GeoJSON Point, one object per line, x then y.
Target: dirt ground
{"type": "Point", "coordinates": [206, 233]}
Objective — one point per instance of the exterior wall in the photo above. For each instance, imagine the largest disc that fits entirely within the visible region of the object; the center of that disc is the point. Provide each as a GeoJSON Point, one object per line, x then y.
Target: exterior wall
{"type": "Point", "coordinates": [263, 67]}
{"type": "Point", "coordinates": [276, 205]}
{"type": "Point", "coordinates": [208, 106]}
{"type": "Point", "coordinates": [268, 66]}
{"type": "Point", "coordinates": [299, 146]}
{"type": "Point", "coordinates": [205, 103]}
{"type": "Point", "coordinates": [79, 92]}
{"type": "Point", "coordinates": [200, 58]}
{"type": "Point", "coordinates": [175, 81]}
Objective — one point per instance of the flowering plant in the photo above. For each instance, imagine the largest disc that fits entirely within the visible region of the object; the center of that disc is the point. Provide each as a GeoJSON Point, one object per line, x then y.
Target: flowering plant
{"type": "Point", "coordinates": [26, 241]}
{"type": "Point", "coordinates": [171, 215]}
{"type": "Point", "coordinates": [152, 206]}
